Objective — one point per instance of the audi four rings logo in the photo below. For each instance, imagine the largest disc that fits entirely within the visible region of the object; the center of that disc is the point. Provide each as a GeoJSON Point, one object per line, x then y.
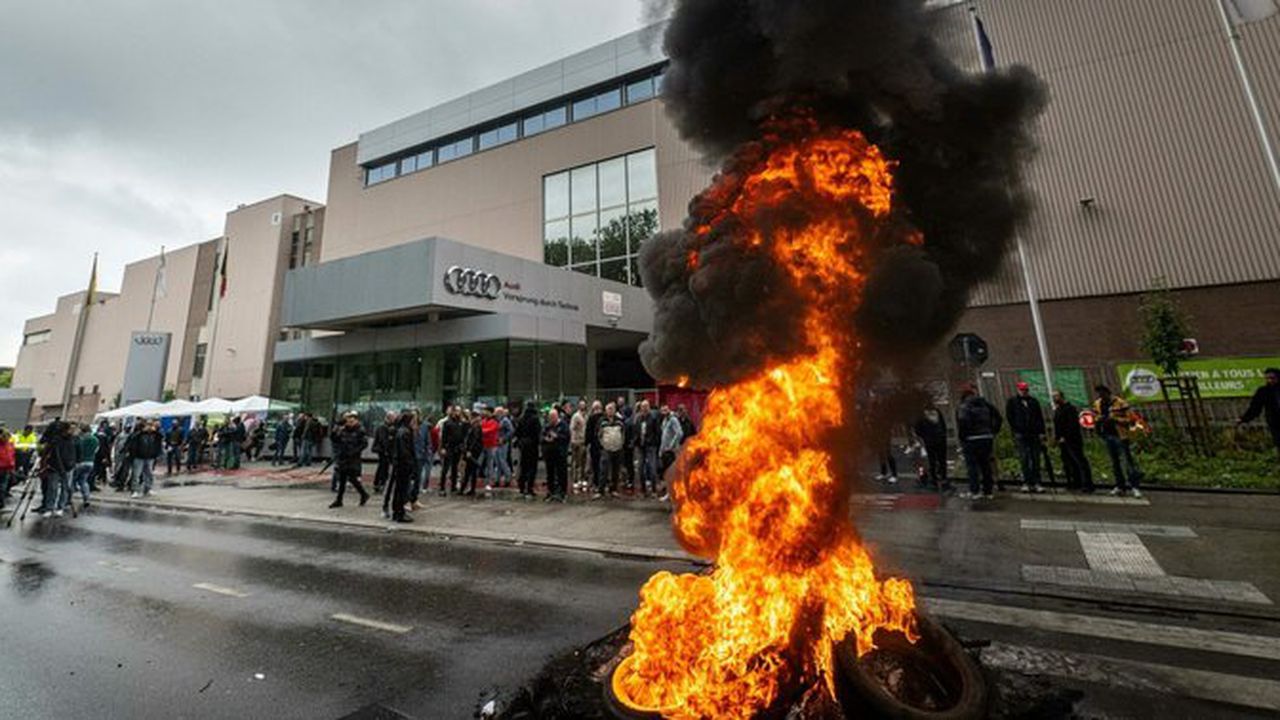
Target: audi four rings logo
{"type": "Point", "coordinates": [149, 340]}
{"type": "Point", "coordinates": [467, 281]}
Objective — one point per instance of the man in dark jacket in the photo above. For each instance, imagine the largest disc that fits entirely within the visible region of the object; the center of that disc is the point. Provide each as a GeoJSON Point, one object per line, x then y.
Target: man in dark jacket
{"type": "Point", "coordinates": [283, 431]}
{"type": "Point", "coordinates": [144, 448]}
{"type": "Point", "coordinates": [931, 429]}
{"type": "Point", "coordinates": [555, 448]}
{"type": "Point", "coordinates": [302, 445]}
{"type": "Point", "coordinates": [1026, 423]}
{"type": "Point", "coordinates": [404, 465]}
{"type": "Point", "coordinates": [173, 449]}
{"type": "Point", "coordinates": [977, 422]}
{"type": "Point", "coordinates": [102, 460]}
{"type": "Point", "coordinates": [647, 436]}
{"type": "Point", "coordinates": [593, 443]}
{"type": "Point", "coordinates": [1070, 440]}
{"type": "Point", "coordinates": [1266, 402]}
{"type": "Point", "coordinates": [349, 440]}
{"type": "Point", "coordinates": [57, 461]}
{"type": "Point", "coordinates": [196, 440]}
{"type": "Point", "coordinates": [528, 435]}
{"type": "Point", "coordinates": [453, 438]}
{"type": "Point", "coordinates": [382, 436]}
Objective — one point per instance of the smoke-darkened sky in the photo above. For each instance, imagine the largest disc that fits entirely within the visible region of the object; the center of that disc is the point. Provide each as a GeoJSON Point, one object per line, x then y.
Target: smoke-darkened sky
{"type": "Point", "coordinates": [125, 124]}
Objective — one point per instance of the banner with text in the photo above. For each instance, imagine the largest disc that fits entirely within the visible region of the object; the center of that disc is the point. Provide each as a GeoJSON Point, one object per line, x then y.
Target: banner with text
{"type": "Point", "coordinates": [1232, 377]}
{"type": "Point", "coordinates": [1067, 379]}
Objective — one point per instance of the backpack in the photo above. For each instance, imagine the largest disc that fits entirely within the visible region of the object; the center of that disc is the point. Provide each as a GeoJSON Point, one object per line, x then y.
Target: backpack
{"type": "Point", "coordinates": [611, 438]}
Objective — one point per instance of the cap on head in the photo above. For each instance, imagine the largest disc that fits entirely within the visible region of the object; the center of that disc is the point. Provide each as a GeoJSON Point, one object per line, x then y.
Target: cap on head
{"type": "Point", "coordinates": [1022, 386]}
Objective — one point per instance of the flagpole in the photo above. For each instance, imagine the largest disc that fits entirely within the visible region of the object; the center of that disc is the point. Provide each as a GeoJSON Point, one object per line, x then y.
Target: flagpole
{"type": "Point", "coordinates": [1255, 108]}
{"type": "Point", "coordinates": [155, 289]}
{"type": "Point", "coordinates": [73, 365]}
{"type": "Point", "coordinates": [1042, 343]}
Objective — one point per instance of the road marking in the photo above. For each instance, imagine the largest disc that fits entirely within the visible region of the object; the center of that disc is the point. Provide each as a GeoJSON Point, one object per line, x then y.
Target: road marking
{"type": "Point", "coordinates": [1173, 531]}
{"type": "Point", "coordinates": [1064, 497]}
{"type": "Point", "coordinates": [229, 592]}
{"type": "Point", "coordinates": [117, 566]}
{"type": "Point", "coordinates": [1259, 646]}
{"type": "Point", "coordinates": [1119, 553]}
{"type": "Point", "coordinates": [1134, 675]}
{"type": "Point", "coordinates": [375, 624]}
{"type": "Point", "coordinates": [1230, 590]}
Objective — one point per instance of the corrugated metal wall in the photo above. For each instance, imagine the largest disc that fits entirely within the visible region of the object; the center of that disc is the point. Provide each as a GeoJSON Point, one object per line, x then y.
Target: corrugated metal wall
{"type": "Point", "coordinates": [1148, 118]}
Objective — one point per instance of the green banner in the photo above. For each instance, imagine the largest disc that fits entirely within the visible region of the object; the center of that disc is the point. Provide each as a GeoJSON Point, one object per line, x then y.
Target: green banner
{"type": "Point", "coordinates": [1233, 377]}
{"type": "Point", "coordinates": [1067, 379]}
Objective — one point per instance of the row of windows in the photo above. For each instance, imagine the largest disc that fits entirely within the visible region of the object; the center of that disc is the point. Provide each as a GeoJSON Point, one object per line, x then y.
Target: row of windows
{"type": "Point", "coordinates": [513, 129]}
{"type": "Point", "coordinates": [597, 216]}
{"type": "Point", "coordinates": [37, 338]}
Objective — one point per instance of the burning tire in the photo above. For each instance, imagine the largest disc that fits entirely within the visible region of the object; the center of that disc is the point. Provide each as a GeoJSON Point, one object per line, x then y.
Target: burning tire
{"type": "Point", "coordinates": [620, 705]}
{"type": "Point", "coordinates": [931, 679]}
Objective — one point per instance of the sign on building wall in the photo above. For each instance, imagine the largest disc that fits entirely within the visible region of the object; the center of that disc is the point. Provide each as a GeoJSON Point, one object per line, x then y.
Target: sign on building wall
{"type": "Point", "coordinates": [145, 369]}
{"type": "Point", "coordinates": [611, 303]}
{"type": "Point", "coordinates": [1067, 379]}
{"type": "Point", "coordinates": [1232, 377]}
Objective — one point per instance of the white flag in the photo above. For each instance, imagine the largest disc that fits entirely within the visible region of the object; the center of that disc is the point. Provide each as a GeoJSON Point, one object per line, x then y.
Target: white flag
{"type": "Point", "coordinates": [1247, 11]}
{"type": "Point", "coordinates": [162, 280]}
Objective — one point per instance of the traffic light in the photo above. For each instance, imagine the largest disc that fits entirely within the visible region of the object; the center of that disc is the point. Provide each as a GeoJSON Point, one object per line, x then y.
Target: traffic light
{"type": "Point", "coordinates": [969, 350]}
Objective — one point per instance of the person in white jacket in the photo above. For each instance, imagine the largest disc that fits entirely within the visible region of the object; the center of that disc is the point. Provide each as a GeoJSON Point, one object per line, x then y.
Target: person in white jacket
{"type": "Point", "coordinates": [672, 434]}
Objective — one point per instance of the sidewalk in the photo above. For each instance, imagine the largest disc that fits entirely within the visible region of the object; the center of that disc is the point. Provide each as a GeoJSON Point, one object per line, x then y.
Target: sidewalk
{"type": "Point", "coordinates": [625, 527]}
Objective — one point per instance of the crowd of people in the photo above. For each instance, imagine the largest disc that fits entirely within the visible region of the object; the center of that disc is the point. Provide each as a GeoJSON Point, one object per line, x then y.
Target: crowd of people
{"type": "Point", "coordinates": [592, 448]}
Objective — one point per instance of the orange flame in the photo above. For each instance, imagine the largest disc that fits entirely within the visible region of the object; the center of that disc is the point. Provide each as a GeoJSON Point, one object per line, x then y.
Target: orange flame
{"type": "Point", "coordinates": [755, 489]}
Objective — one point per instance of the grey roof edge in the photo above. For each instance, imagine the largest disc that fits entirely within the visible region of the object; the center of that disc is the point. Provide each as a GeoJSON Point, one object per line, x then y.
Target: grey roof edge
{"type": "Point", "coordinates": [407, 132]}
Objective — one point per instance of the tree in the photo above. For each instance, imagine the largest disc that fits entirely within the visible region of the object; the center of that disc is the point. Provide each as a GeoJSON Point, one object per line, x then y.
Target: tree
{"type": "Point", "coordinates": [1165, 326]}
{"type": "Point", "coordinates": [6, 377]}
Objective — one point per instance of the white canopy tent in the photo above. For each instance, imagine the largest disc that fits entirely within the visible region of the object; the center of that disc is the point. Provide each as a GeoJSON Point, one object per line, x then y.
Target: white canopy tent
{"type": "Point", "coordinates": [146, 408]}
{"type": "Point", "coordinates": [210, 406]}
{"type": "Point", "coordinates": [261, 404]}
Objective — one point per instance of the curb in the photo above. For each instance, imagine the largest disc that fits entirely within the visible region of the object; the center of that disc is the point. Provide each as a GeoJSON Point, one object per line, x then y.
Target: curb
{"type": "Point", "coordinates": [514, 539]}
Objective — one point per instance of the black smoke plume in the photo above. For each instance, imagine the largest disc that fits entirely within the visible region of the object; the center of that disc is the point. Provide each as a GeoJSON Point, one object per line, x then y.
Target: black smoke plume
{"type": "Point", "coordinates": [960, 141]}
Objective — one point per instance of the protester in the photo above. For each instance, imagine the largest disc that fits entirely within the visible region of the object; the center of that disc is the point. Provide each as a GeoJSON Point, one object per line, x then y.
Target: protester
{"type": "Point", "coordinates": [931, 431]}
{"type": "Point", "coordinates": [382, 449]}
{"type": "Point", "coordinates": [404, 466]}
{"type": "Point", "coordinates": [303, 444]}
{"type": "Point", "coordinates": [489, 442]}
{"type": "Point", "coordinates": [555, 448]}
{"type": "Point", "coordinates": [86, 455]}
{"type": "Point", "coordinates": [422, 458]}
{"type": "Point", "coordinates": [647, 439]}
{"type": "Point", "coordinates": [528, 435]}
{"type": "Point", "coordinates": [234, 436]}
{"type": "Point", "coordinates": [1114, 423]}
{"type": "Point", "coordinates": [453, 438]}
{"type": "Point", "coordinates": [628, 447]}
{"type": "Point", "coordinates": [257, 435]}
{"type": "Point", "coordinates": [197, 439]}
{"type": "Point", "coordinates": [8, 464]}
{"type": "Point", "coordinates": [1070, 440]}
{"type": "Point", "coordinates": [144, 447]}
{"type": "Point", "coordinates": [578, 448]}
{"type": "Point", "coordinates": [977, 423]}
{"type": "Point", "coordinates": [106, 436]}
{"type": "Point", "coordinates": [672, 437]}
{"type": "Point", "coordinates": [594, 416]}
{"type": "Point", "coordinates": [1026, 424]}
{"type": "Point", "coordinates": [121, 476]}
{"type": "Point", "coordinates": [611, 436]}
{"type": "Point", "coordinates": [283, 431]}
{"type": "Point", "coordinates": [687, 428]}
{"type": "Point", "coordinates": [348, 440]}
{"type": "Point", "coordinates": [173, 449]}
{"type": "Point", "coordinates": [502, 458]}
{"type": "Point", "coordinates": [1266, 402]}
{"type": "Point", "coordinates": [472, 456]}
{"type": "Point", "coordinates": [888, 463]}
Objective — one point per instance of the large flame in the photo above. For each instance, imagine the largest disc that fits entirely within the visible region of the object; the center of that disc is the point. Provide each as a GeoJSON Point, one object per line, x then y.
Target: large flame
{"type": "Point", "coordinates": [757, 490]}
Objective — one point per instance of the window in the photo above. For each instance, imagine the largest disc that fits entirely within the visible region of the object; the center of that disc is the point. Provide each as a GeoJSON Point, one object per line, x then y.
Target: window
{"type": "Point", "coordinates": [420, 161]}
{"type": "Point", "coordinates": [640, 91]}
{"type": "Point", "coordinates": [499, 136]}
{"type": "Point", "coordinates": [381, 173]}
{"type": "Point", "coordinates": [197, 367]}
{"type": "Point", "coordinates": [37, 337]}
{"type": "Point", "coordinates": [455, 150]}
{"type": "Point", "coordinates": [295, 241]}
{"type": "Point", "coordinates": [543, 121]}
{"type": "Point", "coordinates": [308, 239]}
{"type": "Point", "coordinates": [596, 217]}
{"type": "Point", "coordinates": [596, 104]}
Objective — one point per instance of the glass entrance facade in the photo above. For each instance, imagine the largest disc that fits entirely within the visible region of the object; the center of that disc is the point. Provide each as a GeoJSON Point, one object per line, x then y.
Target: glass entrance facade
{"type": "Point", "coordinates": [498, 372]}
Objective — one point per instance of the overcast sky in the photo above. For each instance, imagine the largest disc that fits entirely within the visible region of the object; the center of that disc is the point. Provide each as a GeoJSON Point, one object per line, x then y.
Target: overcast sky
{"type": "Point", "coordinates": [129, 124]}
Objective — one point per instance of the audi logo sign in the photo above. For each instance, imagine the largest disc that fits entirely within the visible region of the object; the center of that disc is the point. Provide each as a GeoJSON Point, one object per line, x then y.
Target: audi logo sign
{"type": "Point", "coordinates": [468, 281]}
{"type": "Point", "coordinates": [149, 340]}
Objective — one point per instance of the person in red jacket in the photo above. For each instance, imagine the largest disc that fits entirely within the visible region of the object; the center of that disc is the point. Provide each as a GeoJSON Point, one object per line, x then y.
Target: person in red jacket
{"type": "Point", "coordinates": [489, 439]}
{"type": "Point", "coordinates": [8, 463]}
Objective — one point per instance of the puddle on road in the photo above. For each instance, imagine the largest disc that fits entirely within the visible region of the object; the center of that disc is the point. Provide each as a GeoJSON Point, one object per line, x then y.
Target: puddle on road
{"type": "Point", "coordinates": [29, 577]}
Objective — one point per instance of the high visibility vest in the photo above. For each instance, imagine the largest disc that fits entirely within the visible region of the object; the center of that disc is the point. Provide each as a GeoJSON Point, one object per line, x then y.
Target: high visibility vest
{"type": "Point", "coordinates": [28, 441]}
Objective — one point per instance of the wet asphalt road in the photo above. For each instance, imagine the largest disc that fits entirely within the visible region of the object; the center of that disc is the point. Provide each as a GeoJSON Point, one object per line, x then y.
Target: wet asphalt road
{"type": "Point", "coordinates": [101, 617]}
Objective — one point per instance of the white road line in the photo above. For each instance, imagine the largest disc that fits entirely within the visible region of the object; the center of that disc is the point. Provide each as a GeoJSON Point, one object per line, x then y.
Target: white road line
{"type": "Point", "coordinates": [375, 624]}
{"type": "Point", "coordinates": [1221, 641]}
{"type": "Point", "coordinates": [1172, 531]}
{"type": "Point", "coordinates": [1120, 553]}
{"type": "Point", "coordinates": [230, 592]}
{"type": "Point", "coordinates": [1134, 675]}
{"type": "Point", "coordinates": [1228, 590]}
